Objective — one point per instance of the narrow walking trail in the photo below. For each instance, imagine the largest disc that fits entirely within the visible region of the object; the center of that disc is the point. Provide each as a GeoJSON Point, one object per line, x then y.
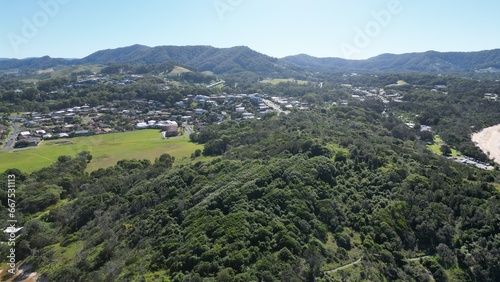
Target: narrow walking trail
{"type": "Point", "coordinates": [344, 266]}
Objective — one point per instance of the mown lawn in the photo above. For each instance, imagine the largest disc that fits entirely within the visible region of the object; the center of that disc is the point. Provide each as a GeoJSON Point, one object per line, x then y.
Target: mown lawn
{"type": "Point", "coordinates": [106, 150]}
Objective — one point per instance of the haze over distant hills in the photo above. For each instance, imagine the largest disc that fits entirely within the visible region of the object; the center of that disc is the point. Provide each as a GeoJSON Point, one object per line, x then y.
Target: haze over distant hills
{"type": "Point", "coordinates": [243, 59]}
{"type": "Point", "coordinates": [428, 62]}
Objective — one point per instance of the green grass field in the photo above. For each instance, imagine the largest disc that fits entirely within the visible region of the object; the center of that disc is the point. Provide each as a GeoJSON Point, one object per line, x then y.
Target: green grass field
{"type": "Point", "coordinates": [178, 70]}
{"type": "Point", "coordinates": [399, 83]}
{"type": "Point", "coordinates": [435, 148]}
{"type": "Point", "coordinates": [106, 150]}
{"type": "Point", "coordinates": [279, 80]}
{"type": "Point", "coordinates": [66, 72]}
{"type": "Point", "coordinates": [30, 80]}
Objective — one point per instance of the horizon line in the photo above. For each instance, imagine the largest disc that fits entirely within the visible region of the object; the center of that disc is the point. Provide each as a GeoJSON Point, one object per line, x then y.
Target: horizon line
{"type": "Point", "coordinates": [202, 45]}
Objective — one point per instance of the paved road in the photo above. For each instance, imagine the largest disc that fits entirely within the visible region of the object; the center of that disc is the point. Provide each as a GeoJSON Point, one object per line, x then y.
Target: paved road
{"type": "Point", "coordinates": [272, 105]}
{"type": "Point", "coordinates": [187, 128]}
{"type": "Point", "coordinates": [13, 136]}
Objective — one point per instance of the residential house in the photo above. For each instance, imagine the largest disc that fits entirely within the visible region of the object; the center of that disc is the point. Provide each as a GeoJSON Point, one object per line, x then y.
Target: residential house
{"type": "Point", "coordinates": [141, 125]}
{"type": "Point", "coordinates": [25, 133]}
{"type": "Point", "coordinates": [33, 142]}
{"type": "Point", "coordinates": [170, 129]}
{"type": "Point", "coordinates": [81, 132]}
{"type": "Point", "coordinates": [248, 116]}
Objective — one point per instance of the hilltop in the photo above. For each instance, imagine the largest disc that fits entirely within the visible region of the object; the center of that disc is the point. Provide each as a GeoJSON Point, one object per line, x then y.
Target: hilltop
{"type": "Point", "coordinates": [241, 59]}
{"type": "Point", "coordinates": [202, 58]}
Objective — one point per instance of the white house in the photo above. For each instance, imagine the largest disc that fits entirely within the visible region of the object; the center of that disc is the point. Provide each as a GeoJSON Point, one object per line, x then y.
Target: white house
{"type": "Point", "coordinates": [248, 115]}
{"type": "Point", "coordinates": [141, 125]}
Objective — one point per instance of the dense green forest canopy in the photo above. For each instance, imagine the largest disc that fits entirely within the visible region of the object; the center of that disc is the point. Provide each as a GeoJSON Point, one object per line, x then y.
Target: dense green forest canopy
{"type": "Point", "coordinates": [283, 198]}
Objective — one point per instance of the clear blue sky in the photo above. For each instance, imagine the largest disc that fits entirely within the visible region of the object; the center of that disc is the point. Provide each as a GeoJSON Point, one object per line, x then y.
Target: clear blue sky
{"type": "Point", "coordinates": [323, 28]}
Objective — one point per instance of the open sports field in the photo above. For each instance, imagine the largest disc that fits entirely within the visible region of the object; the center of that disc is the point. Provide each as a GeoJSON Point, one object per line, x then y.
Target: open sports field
{"type": "Point", "coordinates": [106, 150]}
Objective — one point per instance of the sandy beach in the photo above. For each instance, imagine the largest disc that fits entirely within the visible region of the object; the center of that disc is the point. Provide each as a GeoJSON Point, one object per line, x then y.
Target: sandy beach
{"type": "Point", "coordinates": [488, 140]}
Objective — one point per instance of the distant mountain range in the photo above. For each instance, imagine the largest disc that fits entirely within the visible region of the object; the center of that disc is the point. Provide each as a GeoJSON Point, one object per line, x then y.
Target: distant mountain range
{"type": "Point", "coordinates": [242, 59]}
{"type": "Point", "coordinates": [427, 62]}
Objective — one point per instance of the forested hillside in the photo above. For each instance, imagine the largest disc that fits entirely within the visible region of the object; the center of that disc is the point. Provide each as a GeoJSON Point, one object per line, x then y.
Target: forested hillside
{"type": "Point", "coordinates": [426, 62]}
{"type": "Point", "coordinates": [284, 198]}
{"type": "Point", "coordinates": [204, 58]}
{"type": "Point", "coordinates": [245, 61]}
{"type": "Point", "coordinates": [228, 61]}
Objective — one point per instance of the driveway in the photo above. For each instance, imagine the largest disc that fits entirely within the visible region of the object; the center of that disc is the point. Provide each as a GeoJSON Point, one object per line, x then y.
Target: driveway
{"type": "Point", "coordinates": [187, 128]}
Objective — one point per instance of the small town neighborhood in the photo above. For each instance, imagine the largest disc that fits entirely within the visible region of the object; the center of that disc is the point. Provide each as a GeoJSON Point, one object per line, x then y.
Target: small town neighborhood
{"type": "Point", "coordinates": [119, 116]}
{"type": "Point", "coordinates": [187, 114]}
